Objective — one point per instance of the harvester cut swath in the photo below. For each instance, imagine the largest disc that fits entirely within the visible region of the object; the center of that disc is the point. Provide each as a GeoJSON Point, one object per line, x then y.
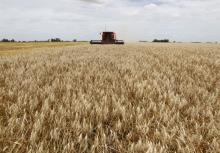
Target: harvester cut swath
{"type": "Point", "coordinates": [108, 38]}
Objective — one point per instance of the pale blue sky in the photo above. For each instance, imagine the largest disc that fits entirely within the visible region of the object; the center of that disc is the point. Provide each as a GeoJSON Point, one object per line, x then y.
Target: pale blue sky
{"type": "Point", "coordinates": [132, 20]}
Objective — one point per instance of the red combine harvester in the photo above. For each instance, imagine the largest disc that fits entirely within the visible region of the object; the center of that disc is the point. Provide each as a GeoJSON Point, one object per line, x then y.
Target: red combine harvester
{"type": "Point", "coordinates": [108, 38]}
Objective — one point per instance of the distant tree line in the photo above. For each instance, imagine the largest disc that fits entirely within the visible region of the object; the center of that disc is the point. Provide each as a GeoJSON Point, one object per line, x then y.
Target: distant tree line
{"type": "Point", "coordinates": [161, 40]}
{"type": "Point", "coordinates": [7, 40]}
{"type": "Point", "coordinates": [196, 42]}
{"type": "Point", "coordinates": [60, 40]}
{"type": "Point", "coordinates": [49, 40]}
{"type": "Point", "coordinates": [56, 40]}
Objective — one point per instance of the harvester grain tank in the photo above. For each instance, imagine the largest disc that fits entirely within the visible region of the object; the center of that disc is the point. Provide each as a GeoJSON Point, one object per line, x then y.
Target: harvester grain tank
{"type": "Point", "coordinates": [108, 38]}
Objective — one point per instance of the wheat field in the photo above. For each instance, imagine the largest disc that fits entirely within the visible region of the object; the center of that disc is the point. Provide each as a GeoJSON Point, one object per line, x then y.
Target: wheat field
{"type": "Point", "coordinates": [14, 48]}
{"type": "Point", "coordinates": [136, 98]}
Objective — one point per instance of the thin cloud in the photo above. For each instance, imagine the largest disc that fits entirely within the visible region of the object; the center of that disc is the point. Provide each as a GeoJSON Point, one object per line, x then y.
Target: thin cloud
{"type": "Point", "coordinates": [185, 20]}
{"type": "Point", "coordinates": [95, 1]}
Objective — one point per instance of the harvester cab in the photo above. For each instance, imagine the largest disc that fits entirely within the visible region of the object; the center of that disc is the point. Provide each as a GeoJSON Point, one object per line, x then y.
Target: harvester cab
{"type": "Point", "coordinates": [107, 38]}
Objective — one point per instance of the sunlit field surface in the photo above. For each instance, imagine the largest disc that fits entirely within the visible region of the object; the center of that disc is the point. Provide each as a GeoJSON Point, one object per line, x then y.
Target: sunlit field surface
{"type": "Point", "coordinates": [111, 98]}
{"type": "Point", "coordinates": [7, 48]}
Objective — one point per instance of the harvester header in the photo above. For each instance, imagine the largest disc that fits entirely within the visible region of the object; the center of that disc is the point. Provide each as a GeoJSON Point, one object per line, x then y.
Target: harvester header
{"type": "Point", "coordinates": [108, 38]}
